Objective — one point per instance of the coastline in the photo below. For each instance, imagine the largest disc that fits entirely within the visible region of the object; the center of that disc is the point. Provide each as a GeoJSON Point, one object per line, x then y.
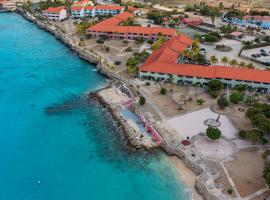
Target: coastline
{"type": "Point", "coordinates": [193, 171]}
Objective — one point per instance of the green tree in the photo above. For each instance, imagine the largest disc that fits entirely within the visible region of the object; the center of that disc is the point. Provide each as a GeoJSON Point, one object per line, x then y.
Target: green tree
{"type": "Point", "coordinates": [233, 62]}
{"type": "Point", "coordinates": [240, 87]}
{"type": "Point", "coordinates": [213, 60]}
{"type": "Point", "coordinates": [200, 101]}
{"type": "Point", "coordinates": [142, 100]}
{"type": "Point", "coordinates": [215, 85]}
{"type": "Point", "coordinates": [236, 96]}
{"type": "Point", "coordinates": [266, 174]}
{"type": "Point", "coordinates": [225, 60]}
{"type": "Point", "coordinates": [242, 64]}
{"type": "Point", "coordinates": [223, 102]}
{"type": "Point", "coordinates": [163, 91]}
{"type": "Point", "coordinates": [213, 133]}
{"type": "Point", "coordinates": [251, 100]}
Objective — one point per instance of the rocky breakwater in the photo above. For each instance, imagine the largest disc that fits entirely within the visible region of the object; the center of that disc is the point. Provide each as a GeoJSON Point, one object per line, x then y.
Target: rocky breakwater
{"type": "Point", "coordinates": [132, 135]}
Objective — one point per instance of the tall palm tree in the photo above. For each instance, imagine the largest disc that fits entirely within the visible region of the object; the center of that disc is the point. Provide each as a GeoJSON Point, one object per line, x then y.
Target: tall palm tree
{"type": "Point", "coordinates": [233, 62]}
{"type": "Point", "coordinates": [225, 60]}
{"type": "Point", "coordinates": [250, 66]}
{"type": "Point", "coordinates": [195, 43]}
{"type": "Point", "coordinates": [213, 60]}
{"type": "Point", "coordinates": [187, 53]}
{"type": "Point", "coordinates": [242, 64]}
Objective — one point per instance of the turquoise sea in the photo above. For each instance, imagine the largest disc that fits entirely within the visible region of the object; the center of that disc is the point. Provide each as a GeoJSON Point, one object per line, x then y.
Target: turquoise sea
{"type": "Point", "coordinates": [54, 144]}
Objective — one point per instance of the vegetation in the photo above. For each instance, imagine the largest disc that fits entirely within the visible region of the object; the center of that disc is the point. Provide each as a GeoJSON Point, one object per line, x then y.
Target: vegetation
{"type": "Point", "coordinates": [213, 133]}
{"type": "Point", "coordinates": [117, 62]}
{"type": "Point", "coordinates": [200, 101]}
{"type": "Point", "coordinates": [142, 100]}
{"type": "Point", "coordinates": [211, 37]}
{"type": "Point", "coordinates": [163, 91]}
{"type": "Point", "coordinates": [251, 100]}
{"type": "Point", "coordinates": [223, 102]}
{"type": "Point", "coordinates": [214, 87]}
{"type": "Point", "coordinates": [230, 191]}
{"type": "Point", "coordinates": [157, 17]}
{"type": "Point", "coordinates": [227, 29]}
{"type": "Point", "coordinates": [236, 96]}
{"type": "Point", "coordinates": [139, 40]}
{"type": "Point", "coordinates": [158, 43]}
{"type": "Point", "coordinates": [240, 87]}
{"type": "Point", "coordinates": [225, 60]}
{"type": "Point", "coordinates": [266, 174]}
{"type": "Point", "coordinates": [132, 63]}
{"type": "Point", "coordinates": [213, 60]}
{"type": "Point", "coordinates": [258, 114]}
{"type": "Point", "coordinates": [82, 26]}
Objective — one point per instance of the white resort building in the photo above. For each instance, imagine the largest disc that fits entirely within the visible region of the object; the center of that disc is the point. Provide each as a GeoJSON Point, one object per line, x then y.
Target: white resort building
{"type": "Point", "coordinates": [55, 13]}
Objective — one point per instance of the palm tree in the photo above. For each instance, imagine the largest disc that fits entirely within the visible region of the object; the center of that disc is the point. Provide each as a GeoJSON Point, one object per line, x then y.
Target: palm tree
{"type": "Point", "coordinates": [195, 43]}
{"type": "Point", "coordinates": [213, 60]}
{"type": "Point", "coordinates": [187, 53]}
{"type": "Point", "coordinates": [250, 66]}
{"type": "Point", "coordinates": [225, 60]}
{"type": "Point", "coordinates": [233, 62]}
{"type": "Point", "coordinates": [242, 64]}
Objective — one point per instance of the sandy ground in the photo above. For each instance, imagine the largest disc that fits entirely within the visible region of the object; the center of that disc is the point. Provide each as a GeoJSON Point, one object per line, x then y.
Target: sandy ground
{"type": "Point", "coordinates": [246, 172]}
{"type": "Point", "coordinates": [192, 123]}
{"type": "Point", "coordinates": [186, 175]}
{"type": "Point", "coordinates": [217, 150]}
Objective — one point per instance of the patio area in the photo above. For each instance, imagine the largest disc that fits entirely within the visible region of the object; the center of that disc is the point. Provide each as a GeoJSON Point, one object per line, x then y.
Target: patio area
{"type": "Point", "coordinates": [192, 124]}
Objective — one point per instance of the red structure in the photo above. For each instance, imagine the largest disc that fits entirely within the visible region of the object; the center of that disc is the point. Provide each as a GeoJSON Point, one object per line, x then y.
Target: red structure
{"type": "Point", "coordinates": [112, 28]}
{"type": "Point", "coordinates": [193, 21]}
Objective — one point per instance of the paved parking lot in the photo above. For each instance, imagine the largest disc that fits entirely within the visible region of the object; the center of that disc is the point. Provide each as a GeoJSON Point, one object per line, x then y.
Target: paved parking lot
{"type": "Point", "coordinates": [233, 54]}
{"type": "Point", "coordinates": [248, 53]}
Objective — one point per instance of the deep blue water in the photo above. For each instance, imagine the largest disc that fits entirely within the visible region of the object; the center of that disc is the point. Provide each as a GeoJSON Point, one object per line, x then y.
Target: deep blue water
{"type": "Point", "coordinates": [50, 133]}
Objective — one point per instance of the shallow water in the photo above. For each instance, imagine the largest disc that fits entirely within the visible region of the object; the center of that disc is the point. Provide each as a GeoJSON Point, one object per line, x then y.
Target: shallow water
{"type": "Point", "coordinates": [50, 133]}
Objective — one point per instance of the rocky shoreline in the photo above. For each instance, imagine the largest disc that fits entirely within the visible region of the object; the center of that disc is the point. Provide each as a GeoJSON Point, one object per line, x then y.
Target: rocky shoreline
{"type": "Point", "coordinates": [206, 171]}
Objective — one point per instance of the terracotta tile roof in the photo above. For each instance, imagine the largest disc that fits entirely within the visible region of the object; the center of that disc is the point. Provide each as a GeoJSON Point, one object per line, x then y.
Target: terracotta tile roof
{"type": "Point", "coordinates": [132, 9]}
{"type": "Point", "coordinates": [163, 60]}
{"type": "Point", "coordinates": [106, 7]}
{"type": "Point", "coordinates": [112, 25]}
{"type": "Point", "coordinates": [76, 8]}
{"type": "Point", "coordinates": [192, 19]}
{"type": "Point", "coordinates": [89, 7]}
{"type": "Point", "coordinates": [54, 9]}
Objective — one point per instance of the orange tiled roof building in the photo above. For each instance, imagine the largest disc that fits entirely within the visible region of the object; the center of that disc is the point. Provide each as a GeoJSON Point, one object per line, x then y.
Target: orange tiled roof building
{"type": "Point", "coordinates": [112, 28]}
{"type": "Point", "coordinates": [164, 65]}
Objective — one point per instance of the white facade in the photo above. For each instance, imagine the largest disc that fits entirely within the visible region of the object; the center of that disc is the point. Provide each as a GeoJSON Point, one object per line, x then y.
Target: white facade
{"type": "Point", "coordinates": [8, 5]}
{"type": "Point", "coordinates": [57, 16]}
{"type": "Point", "coordinates": [190, 80]}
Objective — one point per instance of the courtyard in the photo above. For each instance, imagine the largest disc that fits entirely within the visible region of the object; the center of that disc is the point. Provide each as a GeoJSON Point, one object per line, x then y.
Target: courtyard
{"type": "Point", "coordinates": [192, 124]}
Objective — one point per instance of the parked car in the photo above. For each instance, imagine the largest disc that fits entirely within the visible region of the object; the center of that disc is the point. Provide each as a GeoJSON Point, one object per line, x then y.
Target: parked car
{"type": "Point", "coordinates": [264, 54]}
{"type": "Point", "coordinates": [262, 50]}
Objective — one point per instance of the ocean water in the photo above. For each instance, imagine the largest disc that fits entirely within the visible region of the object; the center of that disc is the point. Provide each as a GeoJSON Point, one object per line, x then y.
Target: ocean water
{"type": "Point", "coordinates": [54, 144]}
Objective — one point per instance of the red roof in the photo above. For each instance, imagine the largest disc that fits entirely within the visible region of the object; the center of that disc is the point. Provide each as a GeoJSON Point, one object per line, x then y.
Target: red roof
{"type": "Point", "coordinates": [192, 19]}
{"type": "Point", "coordinates": [106, 7]}
{"type": "Point", "coordinates": [163, 60]}
{"type": "Point", "coordinates": [89, 7]}
{"type": "Point", "coordinates": [55, 9]}
{"type": "Point", "coordinates": [112, 25]}
{"type": "Point", "coordinates": [132, 9]}
{"type": "Point", "coordinates": [76, 8]}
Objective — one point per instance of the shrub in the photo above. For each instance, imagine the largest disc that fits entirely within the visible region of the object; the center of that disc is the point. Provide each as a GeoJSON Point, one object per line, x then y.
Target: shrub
{"type": "Point", "coordinates": [117, 62]}
{"type": "Point", "coordinates": [129, 49]}
{"type": "Point", "coordinates": [240, 87]}
{"type": "Point", "coordinates": [150, 41]}
{"type": "Point", "coordinates": [213, 93]}
{"type": "Point", "coordinates": [222, 102]}
{"type": "Point", "coordinates": [215, 85]}
{"type": "Point", "coordinates": [200, 101]}
{"type": "Point", "coordinates": [163, 91]}
{"type": "Point", "coordinates": [213, 133]}
{"type": "Point", "coordinates": [142, 100]}
{"type": "Point", "coordinates": [210, 38]}
{"type": "Point", "coordinates": [266, 174]}
{"type": "Point", "coordinates": [242, 134]}
{"type": "Point", "coordinates": [107, 49]}
{"type": "Point", "coordinates": [100, 41]}
{"type": "Point", "coordinates": [230, 191]}
{"type": "Point", "coordinates": [236, 96]}
{"type": "Point", "coordinates": [147, 83]}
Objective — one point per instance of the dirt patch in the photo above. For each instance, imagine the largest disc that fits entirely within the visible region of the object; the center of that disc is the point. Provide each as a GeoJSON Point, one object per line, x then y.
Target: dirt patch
{"type": "Point", "coordinates": [246, 171]}
{"type": "Point", "coordinates": [262, 196]}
